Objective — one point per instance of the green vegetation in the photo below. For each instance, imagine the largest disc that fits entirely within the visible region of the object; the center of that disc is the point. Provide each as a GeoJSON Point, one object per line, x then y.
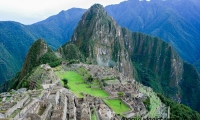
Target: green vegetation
{"type": "Point", "coordinates": [77, 85]}
{"type": "Point", "coordinates": [90, 79]}
{"type": "Point", "coordinates": [147, 103]}
{"type": "Point", "coordinates": [179, 111]}
{"type": "Point", "coordinates": [73, 61]}
{"type": "Point", "coordinates": [115, 105]}
{"type": "Point", "coordinates": [147, 77]}
{"type": "Point", "coordinates": [65, 82]}
{"type": "Point", "coordinates": [39, 53]}
{"type": "Point", "coordinates": [33, 80]}
{"type": "Point", "coordinates": [148, 56]}
{"type": "Point", "coordinates": [94, 115]}
{"type": "Point", "coordinates": [190, 86]}
{"type": "Point", "coordinates": [71, 53]}
{"type": "Point", "coordinates": [50, 58]}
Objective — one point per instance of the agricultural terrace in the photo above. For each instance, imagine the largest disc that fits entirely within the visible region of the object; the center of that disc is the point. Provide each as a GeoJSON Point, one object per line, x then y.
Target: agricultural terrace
{"type": "Point", "coordinates": [117, 105]}
{"type": "Point", "coordinates": [77, 85]}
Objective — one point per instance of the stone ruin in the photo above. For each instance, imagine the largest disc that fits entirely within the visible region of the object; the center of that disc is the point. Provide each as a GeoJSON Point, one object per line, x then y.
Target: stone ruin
{"type": "Point", "coordinates": [57, 103]}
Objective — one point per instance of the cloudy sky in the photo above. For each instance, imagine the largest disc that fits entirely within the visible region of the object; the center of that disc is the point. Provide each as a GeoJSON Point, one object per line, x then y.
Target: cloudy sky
{"type": "Point", "coordinates": [31, 11]}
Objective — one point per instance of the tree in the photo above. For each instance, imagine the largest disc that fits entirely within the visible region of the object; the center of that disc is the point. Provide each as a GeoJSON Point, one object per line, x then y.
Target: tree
{"type": "Point", "coordinates": [90, 79]}
{"type": "Point", "coordinates": [65, 81]}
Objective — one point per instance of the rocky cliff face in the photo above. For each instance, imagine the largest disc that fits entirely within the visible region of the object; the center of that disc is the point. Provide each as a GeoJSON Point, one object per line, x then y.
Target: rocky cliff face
{"type": "Point", "coordinates": [148, 59]}
{"type": "Point", "coordinates": [157, 63]}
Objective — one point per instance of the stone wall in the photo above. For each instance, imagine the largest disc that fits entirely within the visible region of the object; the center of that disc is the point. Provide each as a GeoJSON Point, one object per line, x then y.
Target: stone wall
{"type": "Point", "coordinates": [65, 109]}
{"type": "Point", "coordinates": [28, 107]}
{"type": "Point", "coordinates": [46, 112]}
{"type": "Point", "coordinates": [16, 106]}
{"type": "Point", "coordinates": [57, 97]}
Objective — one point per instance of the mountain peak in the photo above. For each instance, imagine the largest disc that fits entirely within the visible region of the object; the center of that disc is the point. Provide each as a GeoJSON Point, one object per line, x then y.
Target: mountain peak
{"type": "Point", "coordinates": [91, 22]}
{"type": "Point", "coordinates": [97, 6]}
{"type": "Point", "coordinates": [95, 11]}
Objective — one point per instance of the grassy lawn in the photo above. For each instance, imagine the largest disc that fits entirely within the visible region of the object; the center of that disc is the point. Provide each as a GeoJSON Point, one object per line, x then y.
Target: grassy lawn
{"type": "Point", "coordinates": [74, 78]}
{"type": "Point", "coordinates": [114, 104]}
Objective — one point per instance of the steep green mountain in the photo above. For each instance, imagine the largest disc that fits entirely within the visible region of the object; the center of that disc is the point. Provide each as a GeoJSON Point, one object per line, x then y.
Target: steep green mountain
{"type": "Point", "coordinates": [148, 59]}
{"type": "Point", "coordinates": [16, 38]}
{"type": "Point", "coordinates": [39, 53]}
{"type": "Point", "coordinates": [175, 21]}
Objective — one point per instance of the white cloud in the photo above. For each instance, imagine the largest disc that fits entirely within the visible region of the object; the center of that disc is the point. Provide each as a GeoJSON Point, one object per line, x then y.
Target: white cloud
{"type": "Point", "coordinates": [30, 11]}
